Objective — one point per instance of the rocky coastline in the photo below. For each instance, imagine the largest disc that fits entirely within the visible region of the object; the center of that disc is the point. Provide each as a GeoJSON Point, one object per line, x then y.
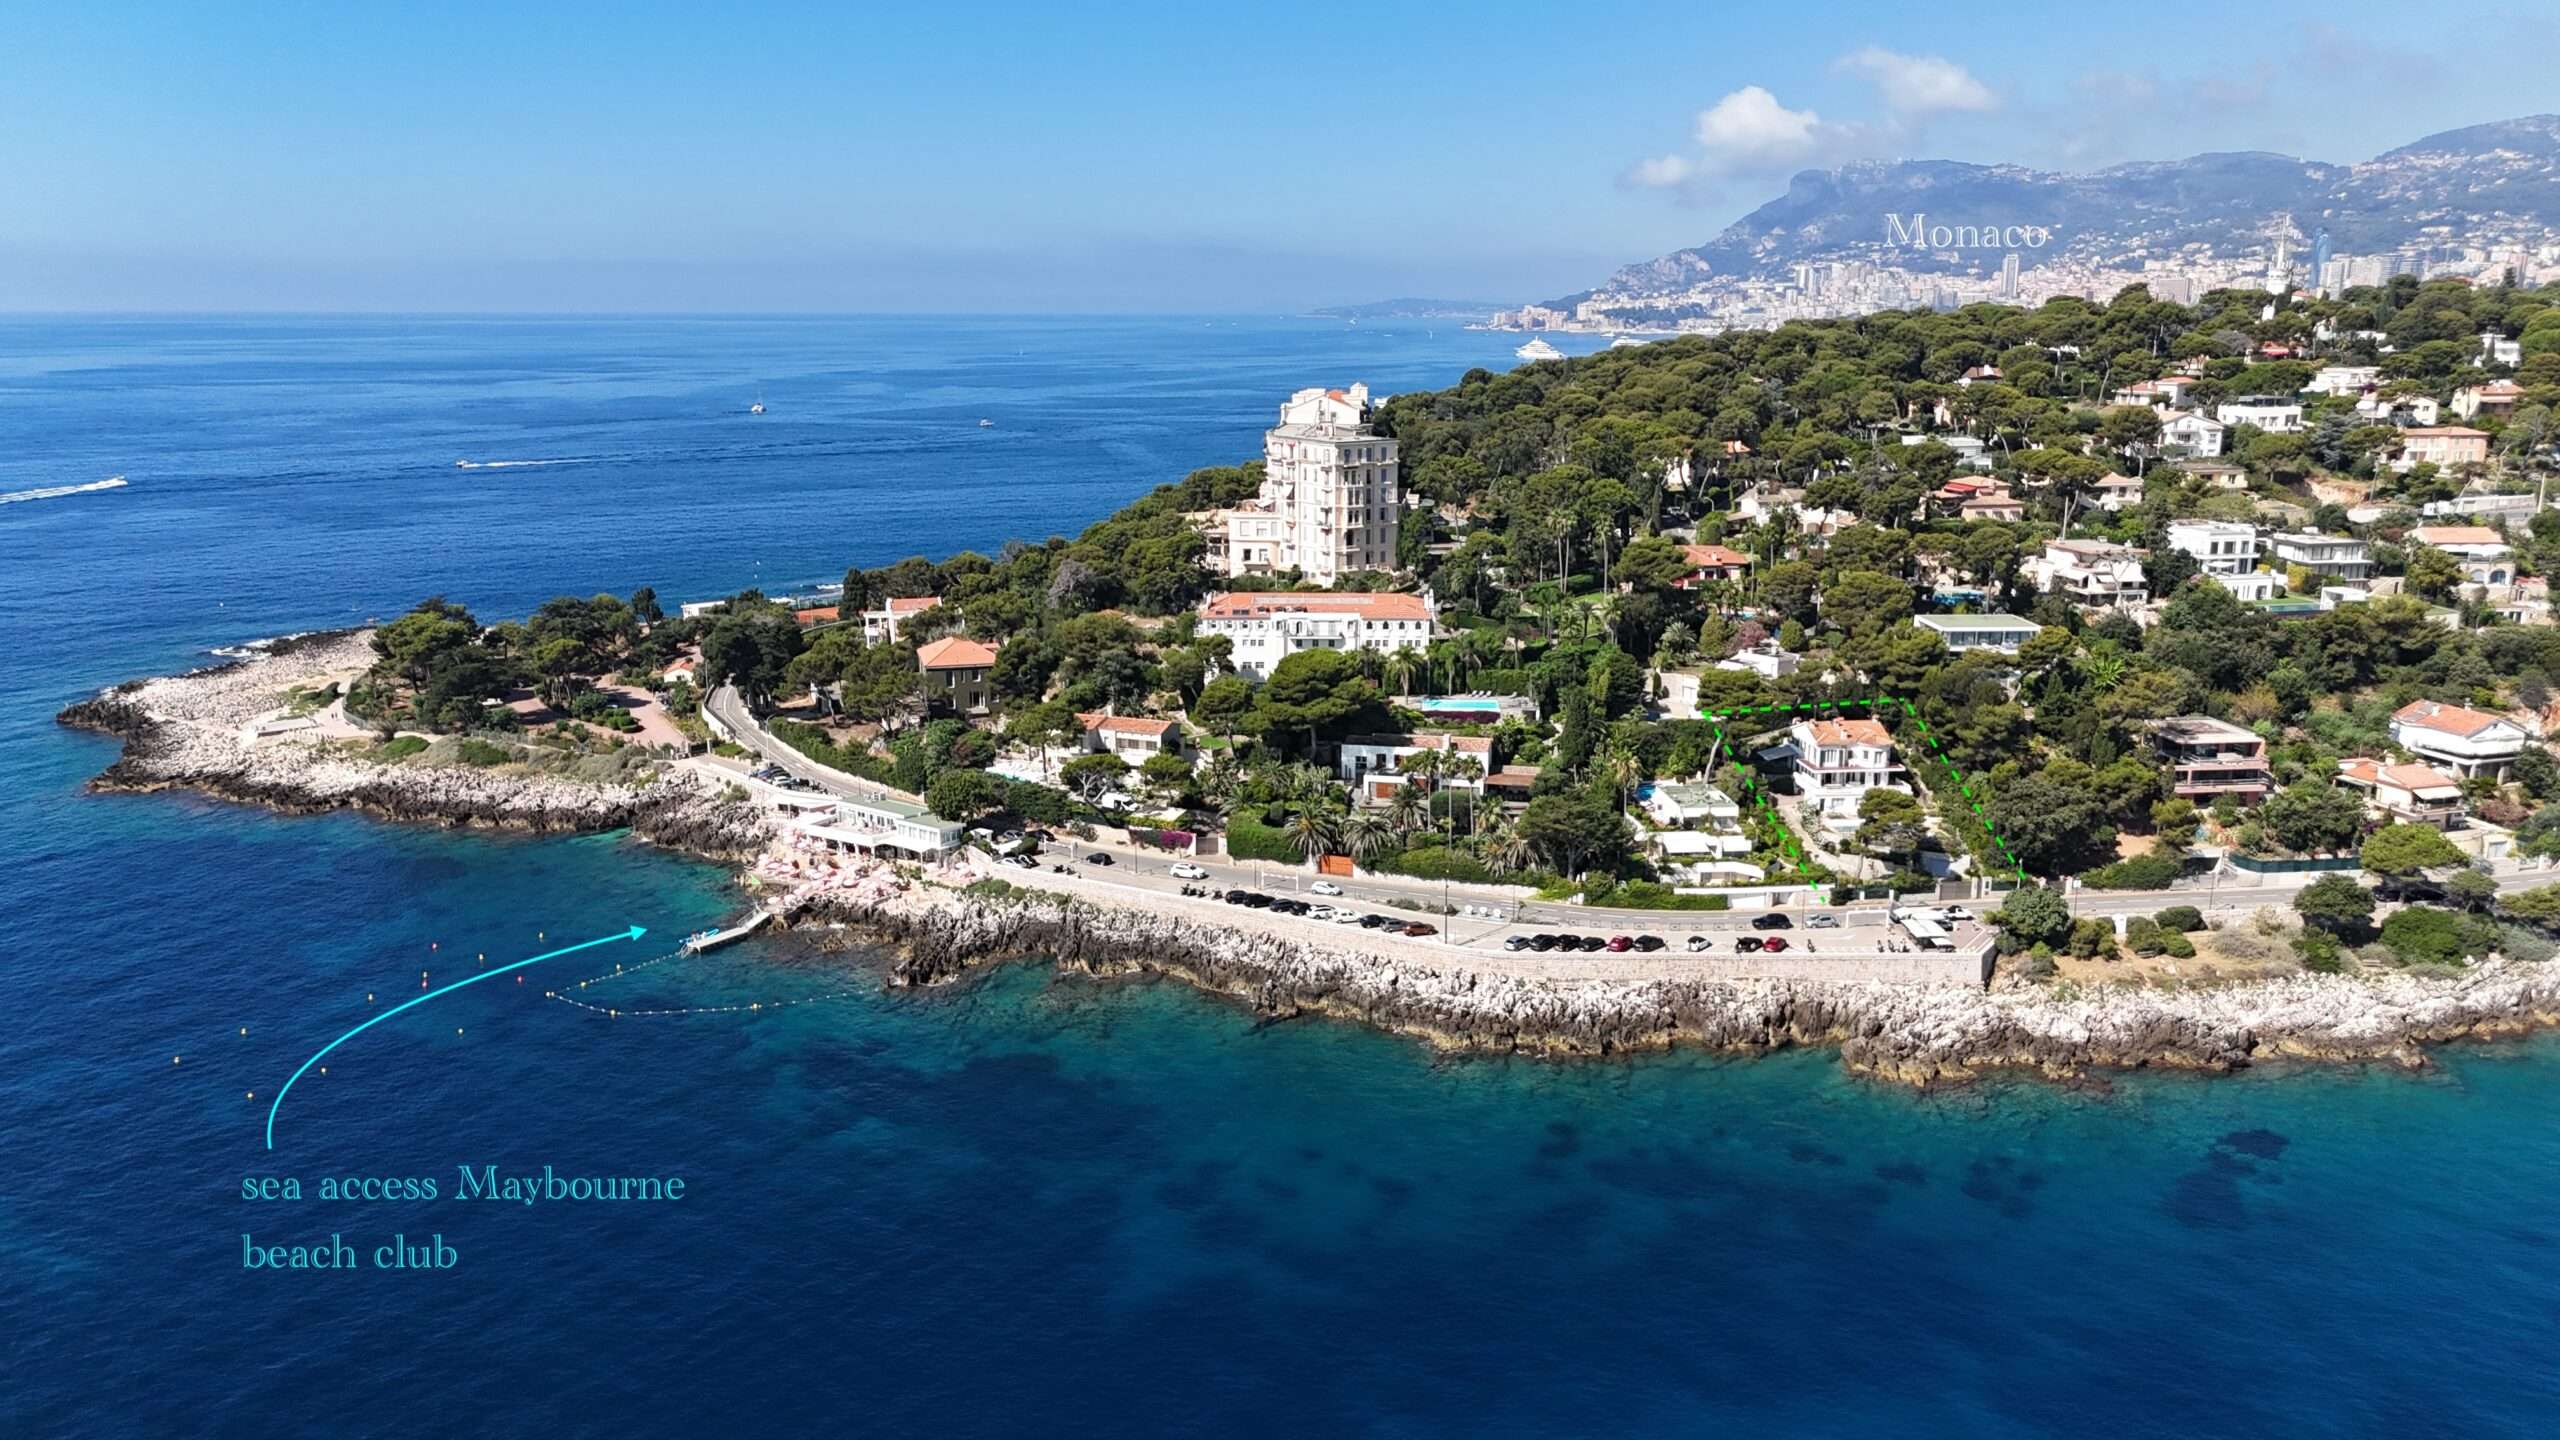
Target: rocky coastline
{"type": "Point", "coordinates": [1918, 1035]}
{"type": "Point", "coordinates": [194, 732]}
{"type": "Point", "coordinates": [191, 732]}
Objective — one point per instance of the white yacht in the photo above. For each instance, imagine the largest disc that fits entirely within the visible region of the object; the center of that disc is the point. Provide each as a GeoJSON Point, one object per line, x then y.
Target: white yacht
{"type": "Point", "coordinates": [1538, 350]}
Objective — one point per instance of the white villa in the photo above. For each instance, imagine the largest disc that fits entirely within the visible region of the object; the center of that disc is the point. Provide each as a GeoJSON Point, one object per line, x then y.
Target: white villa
{"type": "Point", "coordinates": [2004, 633]}
{"type": "Point", "coordinates": [1266, 627]}
{"type": "Point", "coordinates": [2095, 574]}
{"type": "Point", "coordinates": [1375, 765]}
{"type": "Point", "coordinates": [2343, 380]}
{"type": "Point", "coordinates": [2461, 740]}
{"type": "Point", "coordinates": [1133, 738]}
{"type": "Point", "coordinates": [1837, 762]}
{"type": "Point", "coordinates": [2195, 434]}
{"type": "Point", "coordinates": [2272, 413]}
{"type": "Point", "coordinates": [2414, 794]}
{"type": "Point", "coordinates": [2221, 547]}
{"type": "Point", "coordinates": [879, 824]}
{"type": "Point", "coordinates": [884, 622]}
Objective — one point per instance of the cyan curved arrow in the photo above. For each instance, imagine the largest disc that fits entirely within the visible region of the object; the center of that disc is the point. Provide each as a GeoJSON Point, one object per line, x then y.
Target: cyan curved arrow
{"type": "Point", "coordinates": [634, 933]}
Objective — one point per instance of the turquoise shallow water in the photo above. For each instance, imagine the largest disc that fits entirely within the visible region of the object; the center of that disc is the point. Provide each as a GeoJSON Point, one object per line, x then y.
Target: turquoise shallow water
{"type": "Point", "coordinates": [1022, 1204]}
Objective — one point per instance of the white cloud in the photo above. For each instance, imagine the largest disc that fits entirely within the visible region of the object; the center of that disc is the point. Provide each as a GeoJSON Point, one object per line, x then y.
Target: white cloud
{"type": "Point", "coordinates": [1918, 85]}
{"type": "Point", "coordinates": [1749, 129]}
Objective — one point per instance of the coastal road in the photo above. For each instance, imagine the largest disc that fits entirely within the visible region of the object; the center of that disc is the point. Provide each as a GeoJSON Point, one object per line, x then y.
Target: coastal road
{"type": "Point", "coordinates": [728, 707]}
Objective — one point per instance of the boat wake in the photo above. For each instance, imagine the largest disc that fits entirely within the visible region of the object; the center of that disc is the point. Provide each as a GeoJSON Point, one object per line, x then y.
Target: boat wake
{"type": "Point", "coordinates": [518, 464]}
{"type": "Point", "coordinates": [115, 482]}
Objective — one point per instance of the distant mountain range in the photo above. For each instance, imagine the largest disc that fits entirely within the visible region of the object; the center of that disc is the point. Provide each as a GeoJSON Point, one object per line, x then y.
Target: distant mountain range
{"type": "Point", "coordinates": [2500, 179]}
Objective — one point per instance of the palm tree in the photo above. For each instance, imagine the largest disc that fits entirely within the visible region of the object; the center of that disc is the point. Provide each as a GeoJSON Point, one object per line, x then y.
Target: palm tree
{"type": "Point", "coordinates": [1507, 848]}
{"type": "Point", "coordinates": [1314, 832]}
{"type": "Point", "coordinates": [1466, 767]}
{"type": "Point", "coordinates": [1369, 835]}
{"type": "Point", "coordinates": [1624, 771]}
{"type": "Point", "coordinates": [1220, 779]}
{"type": "Point", "coordinates": [1401, 666]}
{"type": "Point", "coordinates": [1409, 807]}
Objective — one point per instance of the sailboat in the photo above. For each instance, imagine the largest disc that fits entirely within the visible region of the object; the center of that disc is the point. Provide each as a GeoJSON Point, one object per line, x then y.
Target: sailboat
{"type": "Point", "coordinates": [758, 407]}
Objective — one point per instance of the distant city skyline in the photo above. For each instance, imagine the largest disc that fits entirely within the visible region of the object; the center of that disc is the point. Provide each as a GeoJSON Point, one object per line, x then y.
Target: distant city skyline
{"type": "Point", "coordinates": [654, 158]}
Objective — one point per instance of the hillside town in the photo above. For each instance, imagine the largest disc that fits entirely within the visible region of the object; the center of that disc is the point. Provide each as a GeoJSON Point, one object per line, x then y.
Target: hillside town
{"type": "Point", "coordinates": [2038, 629]}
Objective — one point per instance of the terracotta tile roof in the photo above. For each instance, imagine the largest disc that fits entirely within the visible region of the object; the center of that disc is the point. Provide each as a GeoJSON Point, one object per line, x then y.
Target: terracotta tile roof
{"type": "Point", "coordinates": [1125, 724]}
{"type": "Point", "coordinates": [2445, 432]}
{"type": "Point", "coordinates": [1714, 555]}
{"type": "Point", "coordinates": [1848, 732]}
{"type": "Point", "coordinates": [2416, 779]}
{"type": "Point", "coordinates": [955, 652]}
{"type": "Point", "coordinates": [816, 615]}
{"type": "Point", "coordinates": [2447, 719]}
{"type": "Point", "coordinates": [1375, 605]}
{"type": "Point", "coordinates": [2457, 535]}
{"type": "Point", "coordinates": [909, 604]}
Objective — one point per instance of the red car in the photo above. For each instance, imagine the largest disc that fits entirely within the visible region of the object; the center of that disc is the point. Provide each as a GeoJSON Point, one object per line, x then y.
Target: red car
{"type": "Point", "coordinates": [1418, 929]}
{"type": "Point", "coordinates": [1621, 943]}
{"type": "Point", "coordinates": [1774, 943]}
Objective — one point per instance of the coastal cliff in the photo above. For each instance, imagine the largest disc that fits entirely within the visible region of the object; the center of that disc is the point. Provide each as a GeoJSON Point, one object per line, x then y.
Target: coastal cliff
{"type": "Point", "coordinates": [1911, 1034]}
{"type": "Point", "coordinates": [197, 732]}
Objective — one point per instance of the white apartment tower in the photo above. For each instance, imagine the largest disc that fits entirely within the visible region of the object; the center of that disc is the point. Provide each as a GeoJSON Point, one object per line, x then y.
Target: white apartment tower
{"type": "Point", "coordinates": [1329, 504]}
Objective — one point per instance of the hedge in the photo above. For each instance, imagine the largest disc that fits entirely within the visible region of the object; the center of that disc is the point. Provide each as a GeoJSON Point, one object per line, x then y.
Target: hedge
{"type": "Point", "coordinates": [1249, 839]}
{"type": "Point", "coordinates": [1439, 862]}
{"type": "Point", "coordinates": [1649, 895]}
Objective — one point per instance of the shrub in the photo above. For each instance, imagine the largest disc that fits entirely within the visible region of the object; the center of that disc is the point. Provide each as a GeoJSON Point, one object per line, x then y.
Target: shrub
{"type": "Point", "coordinates": [2186, 919]}
{"type": "Point", "coordinates": [2035, 964]}
{"type": "Point", "coordinates": [1649, 895]}
{"type": "Point", "coordinates": [480, 753]}
{"type": "Point", "coordinates": [990, 888]}
{"type": "Point", "coordinates": [2177, 946]}
{"type": "Point", "coordinates": [2319, 952]}
{"type": "Point", "coordinates": [2142, 872]}
{"type": "Point", "coordinates": [2420, 935]}
{"type": "Point", "coordinates": [400, 747]}
{"type": "Point", "coordinates": [2144, 935]}
{"type": "Point", "coordinates": [1438, 862]}
{"type": "Point", "coordinates": [2093, 939]}
{"type": "Point", "coordinates": [1250, 839]}
{"type": "Point", "coordinates": [2516, 942]}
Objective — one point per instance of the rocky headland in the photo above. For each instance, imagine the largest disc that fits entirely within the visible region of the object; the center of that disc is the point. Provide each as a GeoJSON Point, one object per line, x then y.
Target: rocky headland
{"type": "Point", "coordinates": [200, 732]}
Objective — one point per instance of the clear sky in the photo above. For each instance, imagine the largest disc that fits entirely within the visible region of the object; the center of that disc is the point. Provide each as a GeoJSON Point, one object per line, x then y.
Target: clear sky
{"type": "Point", "coordinates": [924, 157]}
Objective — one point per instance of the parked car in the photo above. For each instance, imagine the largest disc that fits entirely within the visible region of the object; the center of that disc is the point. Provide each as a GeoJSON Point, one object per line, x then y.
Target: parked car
{"type": "Point", "coordinates": [1700, 942]}
{"type": "Point", "coordinates": [1257, 900]}
{"type": "Point", "coordinates": [1590, 943]}
{"type": "Point", "coordinates": [1325, 887]}
{"type": "Point", "coordinates": [1822, 922]}
{"type": "Point", "coordinates": [1955, 912]}
{"type": "Point", "coordinates": [1649, 943]}
{"type": "Point", "coordinates": [1620, 944]}
{"type": "Point", "coordinates": [1097, 858]}
{"type": "Point", "coordinates": [1022, 862]}
{"type": "Point", "coordinates": [1776, 943]}
{"type": "Point", "coordinates": [1748, 944]}
{"type": "Point", "coordinates": [1185, 870]}
{"type": "Point", "coordinates": [1417, 928]}
{"type": "Point", "coordinates": [1772, 921]}
{"type": "Point", "coordinates": [1541, 943]}
{"type": "Point", "coordinates": [1344, 916]}
{"type": "Point", "coordinates": [1517, 942]}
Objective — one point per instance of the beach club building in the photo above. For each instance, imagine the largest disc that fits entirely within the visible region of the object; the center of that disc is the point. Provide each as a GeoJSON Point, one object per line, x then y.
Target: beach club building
{"type": "Point", "coordinates": [1267, 628]}
{"type": "Point", "coordinates": [1836, 763]}
{"type": "Point", "coordinates": [2463, 741]}
{"type": "Point", "coordinates": [879, 824]}
{"type": "Point", "coordinates": [2004, 633]}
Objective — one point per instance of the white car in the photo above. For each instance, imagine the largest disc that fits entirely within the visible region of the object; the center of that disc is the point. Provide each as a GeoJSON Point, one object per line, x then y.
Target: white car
{"type": "Point", "coordinates": [1188, 871]}
{"type": "Point", "coordinates": [1320, 912]}
{"type": "Point", "coordinates": [1324, 887]}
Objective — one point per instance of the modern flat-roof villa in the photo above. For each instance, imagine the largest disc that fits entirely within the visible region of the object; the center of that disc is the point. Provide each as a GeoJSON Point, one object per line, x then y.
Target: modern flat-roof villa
{"type": "Point", "coordinates": [1376, 765]}
{"type": "Point", "coordinates": [2212, 758]}
{"type": "Point", "coordinates": [1267, 628]}
{"type": "Point", "coordinates": [2004, 633]}
{"type": "Point", "coordinates": [2329, 557]}
{"type": "Point", "coordinates": [2221, 547]}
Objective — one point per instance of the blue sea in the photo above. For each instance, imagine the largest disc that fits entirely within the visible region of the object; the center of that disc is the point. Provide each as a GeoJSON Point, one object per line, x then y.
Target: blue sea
{"type": "Point", "coordinates": [1024, 1205]}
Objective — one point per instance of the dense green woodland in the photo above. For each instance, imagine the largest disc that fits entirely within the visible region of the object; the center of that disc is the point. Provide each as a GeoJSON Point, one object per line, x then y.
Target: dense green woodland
{"type": "Point", "coordinates": [1548, 539]}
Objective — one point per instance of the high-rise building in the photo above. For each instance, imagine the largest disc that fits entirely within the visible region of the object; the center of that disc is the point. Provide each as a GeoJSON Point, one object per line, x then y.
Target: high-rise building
{"type": "Point", "coordinates": [2009, 275]}
{"type": "Point", "coordinates": [2320, 258]}
{"type": "Point", "coordinates": [1329, 503]}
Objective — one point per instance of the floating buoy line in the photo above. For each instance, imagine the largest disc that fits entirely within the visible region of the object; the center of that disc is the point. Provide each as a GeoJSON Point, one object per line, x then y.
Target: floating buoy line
{"type": "Point", "coordinates": [568, 996]}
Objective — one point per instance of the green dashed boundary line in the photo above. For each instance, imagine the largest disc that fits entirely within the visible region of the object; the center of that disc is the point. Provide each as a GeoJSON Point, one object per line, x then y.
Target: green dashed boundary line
{"type": "Point", "coordinates": [1752, 790]}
